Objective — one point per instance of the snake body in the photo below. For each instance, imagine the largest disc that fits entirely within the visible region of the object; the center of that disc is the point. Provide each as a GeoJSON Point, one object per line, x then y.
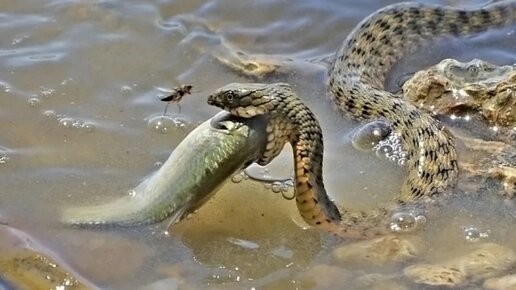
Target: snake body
{"type": "Point", "coordinates": [356, 85]}
{"type": "Point", "coordinates": [294, 123]}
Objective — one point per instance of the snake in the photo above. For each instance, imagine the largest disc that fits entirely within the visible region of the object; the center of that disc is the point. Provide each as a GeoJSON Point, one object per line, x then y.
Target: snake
{"type": "Point", "coordinates": [356, 86]}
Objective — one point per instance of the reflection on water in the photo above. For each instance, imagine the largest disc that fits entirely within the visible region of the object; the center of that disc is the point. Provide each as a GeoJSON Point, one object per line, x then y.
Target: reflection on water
{"type": "Point", "coordinates": [81, 124]}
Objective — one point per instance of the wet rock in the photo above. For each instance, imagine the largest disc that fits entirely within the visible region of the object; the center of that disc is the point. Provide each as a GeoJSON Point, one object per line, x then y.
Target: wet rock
{"type": "Point", "coordinates": [507, 175]}
{"type": "Point", "coordinates": [501, 283]}
{"type": "Point", "coordinates": [29, 269]}
{"type": "Point", "coordinates": [453, 87]}
{"type": "Point", "coordinates": [487, 260]}
{"type": "Point", "coordinates": [378, 282]}
{"type": "Point", "coordinates": [482, 97]}
{"type": "Point", "coordinates": [379, 251]}
{"type": "Point", "coordinates": [435, 275]}
{"type": "Point", "coordinates": [325, 277]}
{"type": "Point", "coordinates": [25, 265]}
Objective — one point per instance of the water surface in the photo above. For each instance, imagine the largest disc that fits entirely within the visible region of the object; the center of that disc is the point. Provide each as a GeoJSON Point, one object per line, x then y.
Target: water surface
{"type": "Point", "coordinates": [79, 82]}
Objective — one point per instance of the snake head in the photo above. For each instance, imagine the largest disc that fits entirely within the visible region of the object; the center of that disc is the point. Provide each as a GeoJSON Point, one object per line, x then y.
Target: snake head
{"type": "Point", "coordinates": [244, 100]}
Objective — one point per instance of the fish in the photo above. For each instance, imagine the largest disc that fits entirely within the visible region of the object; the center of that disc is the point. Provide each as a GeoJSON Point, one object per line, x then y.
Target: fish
{"type": "Point", "coordinates": [194, 171]}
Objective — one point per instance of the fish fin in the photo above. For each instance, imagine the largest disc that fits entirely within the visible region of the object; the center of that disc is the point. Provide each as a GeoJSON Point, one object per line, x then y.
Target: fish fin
{"type": "Point", "coordinates": [178, 216]}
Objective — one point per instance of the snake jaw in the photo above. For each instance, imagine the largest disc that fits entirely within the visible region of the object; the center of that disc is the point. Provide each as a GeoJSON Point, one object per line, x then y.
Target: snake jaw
{"type": "Point", "coordinates": [213, 100]}
{"type": "Point", "coordinates": [247, 112]}
{"type": "Point", "coordinates": [241, 112]}
{"type": "Point", "coordinates": [245, 100]}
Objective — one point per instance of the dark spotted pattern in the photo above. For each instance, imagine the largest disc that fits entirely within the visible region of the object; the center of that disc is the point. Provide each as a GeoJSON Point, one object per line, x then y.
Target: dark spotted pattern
{"type": "Point", "coordinates": [356, 84]}
{"type": "Point", "coordinates": [303, 133]}
{"type": "Point", "coordinates": [356, 81]}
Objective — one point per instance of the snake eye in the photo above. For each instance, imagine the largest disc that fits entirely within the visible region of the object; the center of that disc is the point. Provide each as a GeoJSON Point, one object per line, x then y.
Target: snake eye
{"type": "Point", "coordinates": [473, 70]}
{"type": "Point", "coordinates": [230, 96]}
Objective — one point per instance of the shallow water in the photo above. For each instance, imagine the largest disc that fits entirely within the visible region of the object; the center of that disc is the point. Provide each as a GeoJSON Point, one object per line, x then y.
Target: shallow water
{"type": "Point", "coordinates": [79, 82]}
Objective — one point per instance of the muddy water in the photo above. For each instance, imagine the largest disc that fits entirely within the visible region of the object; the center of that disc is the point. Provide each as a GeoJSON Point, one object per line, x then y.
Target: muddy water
{"type": "Point", "coordinates": [79, 82]}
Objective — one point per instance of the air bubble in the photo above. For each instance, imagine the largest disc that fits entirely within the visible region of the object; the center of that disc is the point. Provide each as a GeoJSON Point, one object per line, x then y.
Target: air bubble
{"type": "Point", "coordinates": [473, 234]}
{"type": "Point", "coordinates": [66, 122]}
{"type": "Point", "coordinates": [166, 124]}
{"type": "Point", "coordinates": [282, 186]}
{"type": "Point", "coordinates": [237, 178]}
{"type": "Point", "coordinates": [420, 219]}
{"type": "Point", "coordinates": [289, 183]}
{"type": "Point", "coordinates": [285, 190]}
{"type": "Point", "coordinates": [88, 127]}
{"type": "Point", "coordinates": [384, 151]}
{"type": "Point", "coordinates": [77, 124]}
{"type": "Point", "coordinates": [126, 89]}
{"type": "Point", "coordinates": [397, 148]}
{"type": "Point", "coordinates": [66, 81]}
{"type": "Point", "coordinates": [18, 40]}
{"type": "Point", "coordinates": [50, 114]}
{"type": "Point", "coordinates": [5, 87]}
{"type": "Point", "coordinates": [45, 92]}
{"type": "Point", "coordinates": [392, 150]}
{"type": "Point", "coordinates": [276, 187]}
{"type": "Point", "coordinates": [3, 157]}
{"type": "Point", "coordinates": [402, 222]}
{"type": "Point", "coordinates": [369, 135]}
{"type": "Point", "coordinates": [33, 102]}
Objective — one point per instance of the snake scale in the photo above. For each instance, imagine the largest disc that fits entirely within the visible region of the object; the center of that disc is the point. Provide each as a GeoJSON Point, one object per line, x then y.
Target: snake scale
{"type": "Point", "coordinates": [356, 85]}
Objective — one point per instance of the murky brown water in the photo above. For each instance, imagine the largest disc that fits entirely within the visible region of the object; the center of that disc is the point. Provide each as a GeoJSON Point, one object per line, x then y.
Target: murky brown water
{"type": "Point", "coordinates": [79, 82]}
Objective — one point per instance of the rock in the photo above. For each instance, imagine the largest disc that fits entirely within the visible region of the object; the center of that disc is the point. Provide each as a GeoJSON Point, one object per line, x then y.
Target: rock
{"type": "Point", "coordinates": [379, 251]}
{"type": "Point", "coordinates": [482, 97]}
{"type": "Point", "coordinates": [452, 86]}
{"type": "Point", "coordinates": [26, 265]}
{"type": "Point", "coordinates": [378, 282]}
{"type": "Point", "coordinates": [435, 275]}
{"type": "Point", "coordinates": [501, 283]}
{"type": "Point", "coordinates": [487, 260]}
{"type": "Point", "coordinates": [325, 277]}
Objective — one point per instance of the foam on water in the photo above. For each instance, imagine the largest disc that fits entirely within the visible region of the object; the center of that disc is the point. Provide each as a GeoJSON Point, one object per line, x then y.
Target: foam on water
{"type": "Point", "coordinates": [166, 124]}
